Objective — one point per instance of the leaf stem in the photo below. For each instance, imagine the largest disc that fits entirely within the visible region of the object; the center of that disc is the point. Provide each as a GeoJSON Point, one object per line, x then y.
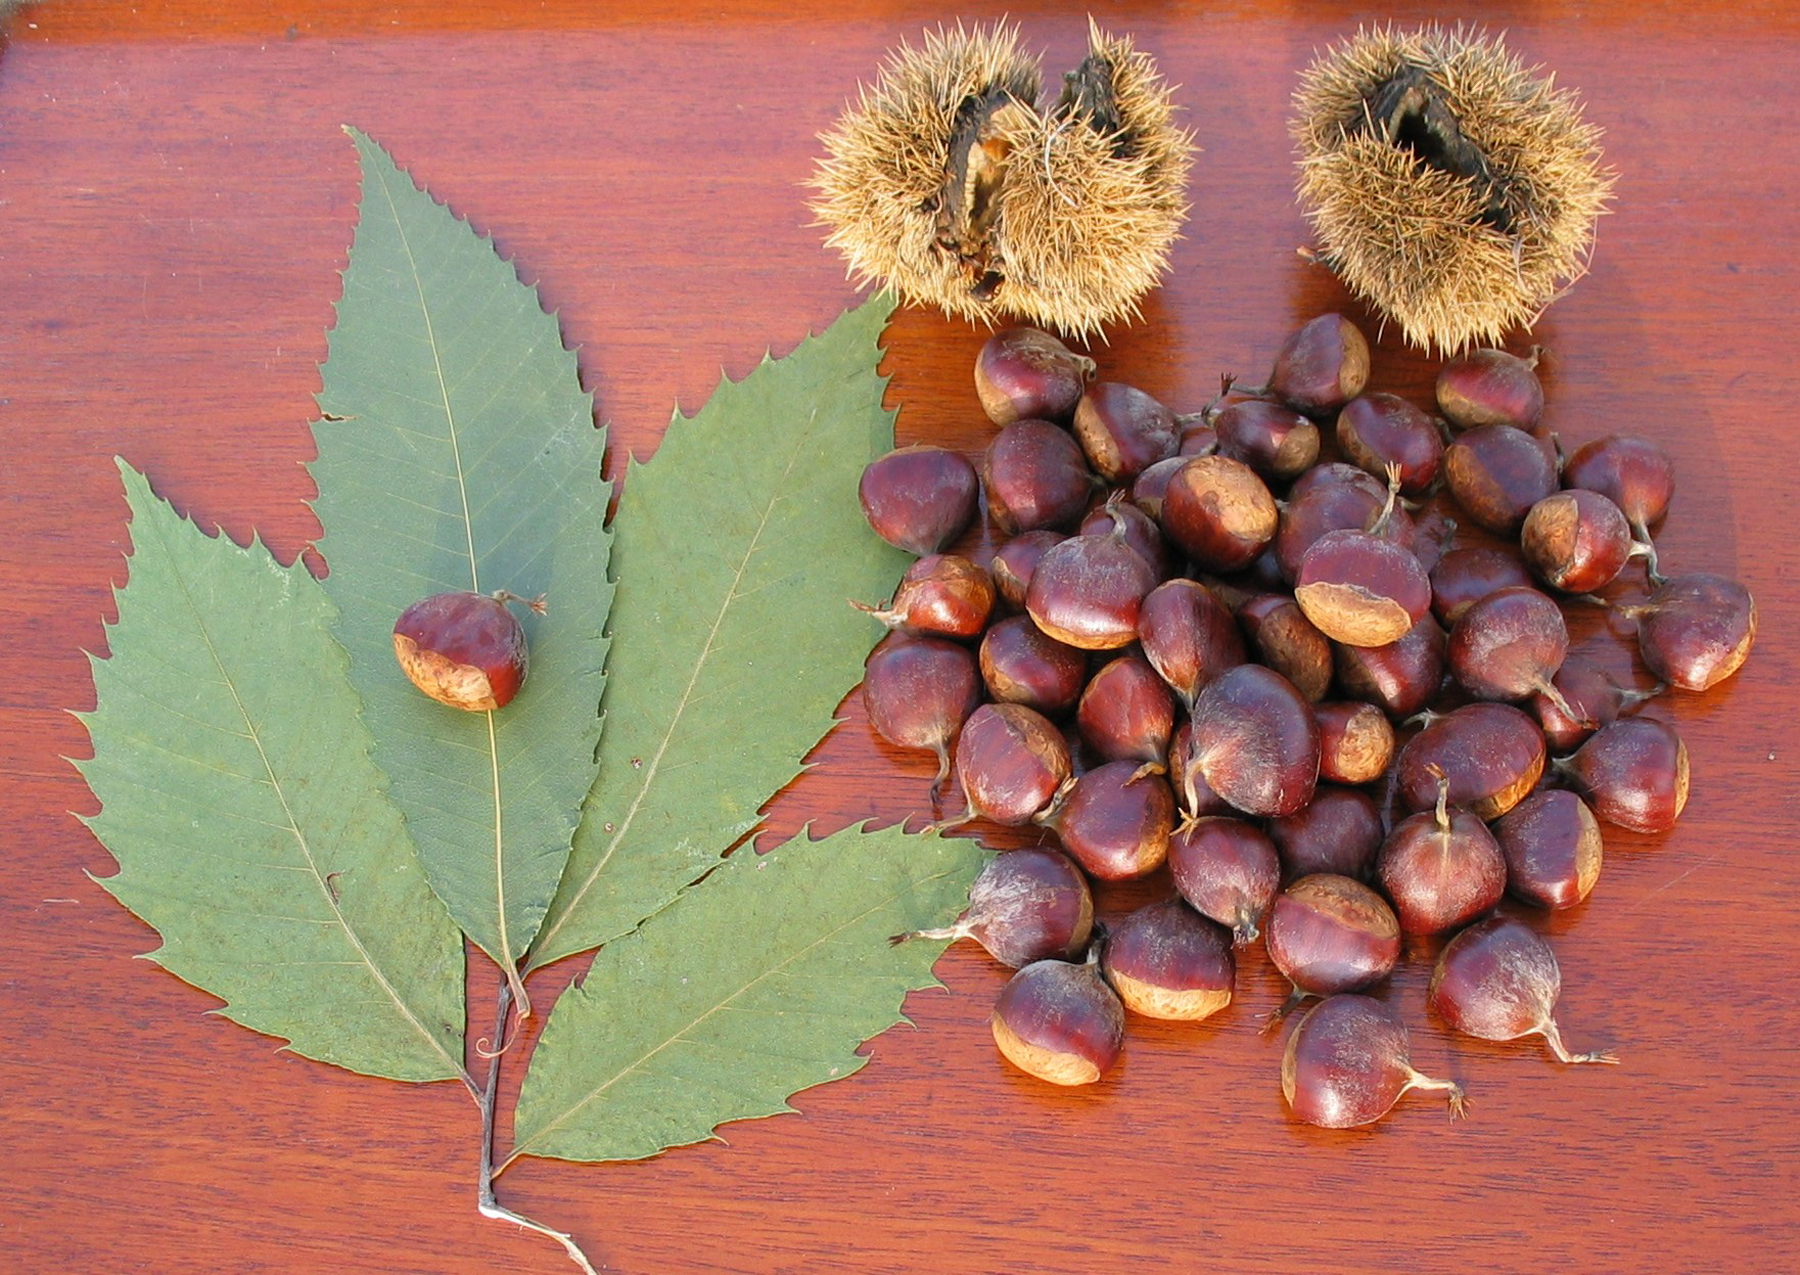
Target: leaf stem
{"type": "Point", "coordinates": [485, 1201]}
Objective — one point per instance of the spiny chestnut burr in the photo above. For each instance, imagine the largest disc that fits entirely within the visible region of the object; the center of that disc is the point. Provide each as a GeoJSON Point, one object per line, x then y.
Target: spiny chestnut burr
{"type": "Point", "coordinates": [1553, 850]}
{"type": "Point", "coordinates": [1219, 513]}
{"type": "Point", "coordinates": [1166, 961]}
{"type": "Point", "coordinates": [1356, 742]}
{"type": "Point", "coordinates": [1376, 430]}
{"type": "Point", "coordinates": [1027, 374]}
{"type": "Point", "coordinates": [1465, 576]}
{"type": "Point", "coordinates": [920, 498]}
{"type": "Point", "coordinates": [1188, 635]}
{"type": "Point", "coordinates": [1226, 869]}
{"type": "Point", "coordinates": [1497, 473]}
{"type": "Point", "coordinates": [1491, 387]}
{"type": "Point", "coordinates": [1578, 540]}
{"type": "Point", "coordinates": [1015, 560]}
{"type": "Point", "coordinates": [1592, 699]}
{"type": "Point", "coordinates": [1021, 664]}
{"type": "Point", "coordinates": [1123, 431]}
{"type": "Point", "coordinates": [1499, 980]}
{"type": "Point", "coordinates": [1441, 869]}
{"type": "Point", "coordinates": [1114, 820]}
{"type": "Point", "coordinates": [1509, 645]}
{"type": "Point", "coordinates": [1255, 742]}
{"type": "Point", "coordinates": [1127, 712]}
{"type": "Point", "coordinates": [1339, 831]}
{"type": "Point", "coordinates": [1452, 187]}
{"type": "Point", "coordinates": [1321, 366]}
{"type": "Point", "coordinates": [1060, 1022]}
{"type": "Point", "coordinates": [918, 691]}
{"type": "Point", "coordinates": [1277, 442]}
{"type": "Point", "coordinates": [1330, 934]}
{"type": "Point", "coordinates": [941, 595]}
{"type": "Point", "coordinates": [1634, 772]}
{"type": "Point", "coordinates": [465, 649]}
{"type": "Point", "coordinates": [1035, 476]}
{"type": "Point", "coordinates": [1278, 631]}
{"type": "Point", "coordinates": [1493, 755]}
{"type": "Point", "coordinates": [1634, 473]}
{"type": "Point", "coordinates": [1087, 590]}
{"type": "Point", "coordinates": [1026, 905]}
{"type": "Point", "coordinates": [1349, 1061]}
{"type": "Point", "coordinates": [1695, 630]}
{"type": "Point", "coordinates": [1399, 678]}
{"type": "Point", "coordinates": [1011, 761]}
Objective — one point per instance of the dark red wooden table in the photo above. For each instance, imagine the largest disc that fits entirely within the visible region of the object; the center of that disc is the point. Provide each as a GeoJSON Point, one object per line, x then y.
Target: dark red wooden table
{"type": "Point", "coordinates": [175, 199]}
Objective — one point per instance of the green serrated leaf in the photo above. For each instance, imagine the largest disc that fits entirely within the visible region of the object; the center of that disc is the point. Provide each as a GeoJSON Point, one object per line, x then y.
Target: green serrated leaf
{"type": "Point", "coordinates": [249, 822]}
{"type": "Point", "coordinates": [457, 450]}
{"type": "Point", "coordinates": [760, 982]}
{"type": "Point", "coordinates": [736, 548]}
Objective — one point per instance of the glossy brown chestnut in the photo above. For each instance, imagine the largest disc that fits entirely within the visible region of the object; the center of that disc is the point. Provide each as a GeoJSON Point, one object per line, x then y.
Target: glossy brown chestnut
{"type": "Point", "coordinates": [1493, 754]}
{"type": "Point", "coordinates": [1356, 742]}
{"type": "Point", "coordinates": [1021, 664]}
{"type": "Point", "coordinates": [1399, 678]}
{"type": "Point", "coordinates": [918, 691]}
{"type": "Point", "coordinates": [1188, 635]}
{"type": "Point", "coordinates": [1011, 761]}
{"type": "Point", "coordinates": [1634, 773]}
{"type": "Point", "coordinates": [1491, 387]}
{"type": "Point", "coordinates": [1219, 513]}
{"type": "Point", "coordinates": [1376, 430]}
{"type": "Point", "coordinates": [919, 498]}
{"type": "Point", "coordinates": [1634, 473]}
{"type": "Point", "coordinates": [1024, 373]}
{"type": "Point", "coordinates": [1552, 846]}
{"type": "Point", "coordinates": [1695, 630]}
{"type": "Point", "coordinates": [1227, 869]}
{"type": "Point", "coordinates": [1330, 934]}
{"type": "Point", "coordinates": [1321, 366]}
{"type": "Point", "coordinates": [1167, 961]}
{"type": "Point", "coordinates": [1127, 712]}
{"type": "Point", "coordinates": [1139, 528]}
{"type": "Point", "coordinates": [1348, 1062]}
{"type": "Point", "coordinates": [1026, 905]}
{"type": "Point", "coordinates": [1497, 473]}
{"type": "Point", "coordinates": [1086, 591]}
{"type": "Point", "coordinates": [1015, 560]}
{"type": "Point", "coordinates": [1276, 441]}
{"type": "Point", "coordinates": [1338, 832]}
{"type": "Point", "coordinates": [1060, 1022]}
{"type": "Point", "coordinates": [1281, 637]}
{"type": "Point", "coordinates": [941, 595]}
{"type": "Point", "coordinates": [1123, 431]}
{"type": "Point", "coordinates": [1590, 700]}
{"type": "Point", "coordinates": [1577, 540]}
{"type": "Point", "coordinates": [1509, 645]}
{"type": "Point", "coordinates": [1115, 820]}
{"type": "Point", "coordinates": [1499, 980]}
{"type": "Point", "coordinates": [1467, 575]}
{"type": "Point", "coordinates": [1035, 477]}
{"type": "Point", "coordinates": [1361, 589]}
{"type": "Point", "coordinates": [464, 649]}
{"type": "Point", "coordinates": [1255, 741]}
{"type": "Point", "coordinates": [1441, 869]}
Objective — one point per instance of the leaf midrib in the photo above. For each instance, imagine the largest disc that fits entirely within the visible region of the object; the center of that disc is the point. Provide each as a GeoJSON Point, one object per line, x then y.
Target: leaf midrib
{"type": "Point", "coordinates": [652, 767]}
{"type": "Point", "coordinates": [254, 735]}
{"type": "Point", "coordinates": [505, 955]}
{"type": "Point", "coordinates": [522, 1148]}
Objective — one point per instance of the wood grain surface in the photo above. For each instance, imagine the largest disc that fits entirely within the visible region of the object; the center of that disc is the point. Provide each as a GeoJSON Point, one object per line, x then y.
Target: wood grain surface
{"type": "Point", "coordinates": [176, 198]}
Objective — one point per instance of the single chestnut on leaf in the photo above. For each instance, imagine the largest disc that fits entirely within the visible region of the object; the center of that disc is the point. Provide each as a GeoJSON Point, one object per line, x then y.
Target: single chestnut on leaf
{"type": "Point", "coordinates": [465, 649]}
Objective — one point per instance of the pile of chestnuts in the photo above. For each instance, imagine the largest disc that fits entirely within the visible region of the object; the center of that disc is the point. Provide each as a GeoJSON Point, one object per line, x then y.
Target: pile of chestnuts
{"type": "Point", "coordinates": [1259, 648]}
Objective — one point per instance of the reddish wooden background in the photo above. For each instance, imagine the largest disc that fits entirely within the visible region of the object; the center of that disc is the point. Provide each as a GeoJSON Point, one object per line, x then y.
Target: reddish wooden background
{"type": "Point", "coordinates": [175, 198]}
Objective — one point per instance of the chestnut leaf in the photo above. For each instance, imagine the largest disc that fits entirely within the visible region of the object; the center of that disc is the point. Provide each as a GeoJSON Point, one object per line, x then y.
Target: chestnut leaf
{"type": "Point", "coordinates": [457, 451]}
{"type": "Point", "coordinates": [735, 548]}
{"type": "Point", "coordinates": [760, 981]}
{"type": "Point", "coordinates": [250, 825]}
